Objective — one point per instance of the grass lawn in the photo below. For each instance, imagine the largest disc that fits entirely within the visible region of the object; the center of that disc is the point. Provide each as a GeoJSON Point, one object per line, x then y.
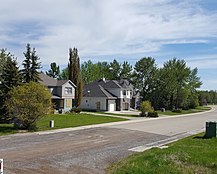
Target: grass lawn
{"type": "Point", "coordinates": [63, 121]}
{"type": "Point", "coordinates": [190, 155]}
{"type": "Point", "coordinates": [126, 115]}
{"type": "Point", "coordinates": [73, 120]}
{"type": "Point", "coordinates": [7, 129]}
{"type": "Point", "coordinates": [190, 111]}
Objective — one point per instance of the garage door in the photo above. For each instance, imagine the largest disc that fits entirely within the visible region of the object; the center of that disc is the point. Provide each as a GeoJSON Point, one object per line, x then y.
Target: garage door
{"type": "Point", "coordinates": [111, 107]}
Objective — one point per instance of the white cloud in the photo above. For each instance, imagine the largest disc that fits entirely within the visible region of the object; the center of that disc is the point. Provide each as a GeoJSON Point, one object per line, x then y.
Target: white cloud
{"type": "Point", "coordinates": [102, 27]}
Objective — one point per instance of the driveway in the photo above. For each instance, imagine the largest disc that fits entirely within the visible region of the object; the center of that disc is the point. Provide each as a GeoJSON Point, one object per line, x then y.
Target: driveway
{"type": "Point", "coordinates": [91, 149]}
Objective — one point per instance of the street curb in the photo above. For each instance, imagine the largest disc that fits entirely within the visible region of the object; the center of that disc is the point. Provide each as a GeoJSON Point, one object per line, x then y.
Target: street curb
{"type": "Point", "coordinates": [104, 124]}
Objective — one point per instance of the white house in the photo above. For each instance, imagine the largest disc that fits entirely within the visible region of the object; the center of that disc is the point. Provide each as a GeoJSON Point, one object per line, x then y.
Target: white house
{"type": "Point", "coordinates": [109, 95]}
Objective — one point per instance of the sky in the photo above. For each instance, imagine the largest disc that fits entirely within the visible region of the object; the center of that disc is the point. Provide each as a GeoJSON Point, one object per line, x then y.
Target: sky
{"type": "Point", "coordinates": [125, 30]}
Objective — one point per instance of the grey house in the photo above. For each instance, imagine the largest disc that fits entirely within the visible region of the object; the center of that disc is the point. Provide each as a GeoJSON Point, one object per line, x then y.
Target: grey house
{"type": "Point", "coordinates": [110, 95]}
{"type": "Point", "coordinates": [63, 92]}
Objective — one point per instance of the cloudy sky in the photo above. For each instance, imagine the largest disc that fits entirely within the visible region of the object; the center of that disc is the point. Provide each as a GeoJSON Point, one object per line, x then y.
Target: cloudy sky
{"type": "Point", "coordinates": [120, 29]}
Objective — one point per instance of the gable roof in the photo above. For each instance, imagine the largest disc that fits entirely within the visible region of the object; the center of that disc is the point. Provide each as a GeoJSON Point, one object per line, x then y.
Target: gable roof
{"type": "Point", "coordinates": [96, 90]}
{"type": "Point", "coordinates": [49, 81]}
{"type": "Point", "coordinates": [101, 88]}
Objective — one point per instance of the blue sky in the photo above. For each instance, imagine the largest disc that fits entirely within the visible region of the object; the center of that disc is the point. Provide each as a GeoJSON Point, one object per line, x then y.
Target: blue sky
{"type": "Point", "coordinates": [120, 29]}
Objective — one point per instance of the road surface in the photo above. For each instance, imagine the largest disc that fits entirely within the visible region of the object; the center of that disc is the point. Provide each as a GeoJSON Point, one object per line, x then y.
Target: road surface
{"type": "Point", "coordinates": [92, 150]}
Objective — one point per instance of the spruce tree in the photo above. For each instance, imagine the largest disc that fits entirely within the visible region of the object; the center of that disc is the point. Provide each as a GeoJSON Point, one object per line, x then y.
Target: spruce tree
{"type": "Point", "coordinates": [10, 78]}
{"type": "Point", "coordinates": [75, 75]}
{"type": "Point", "coordinates": [30, 65]}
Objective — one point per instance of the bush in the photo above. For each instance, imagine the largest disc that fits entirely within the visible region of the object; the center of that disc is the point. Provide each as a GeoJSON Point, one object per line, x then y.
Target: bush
{"type": "Point", "coordinates": [27, 104]}
{"type": "Point", "coordinates": [153, 114]}
{"type": "Point", "coordinates": [143, 114]}
{"type": "Point", "coordinates": [75, 110]}
{"type": "Point", "coordinates": [146, 107]}
{"type": "Point", "coordinates": [177, 110]}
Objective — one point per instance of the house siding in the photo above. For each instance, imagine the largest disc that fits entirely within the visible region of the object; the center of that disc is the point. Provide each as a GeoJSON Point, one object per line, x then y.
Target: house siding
{"type": "Point", "coordinates": [67, 95]}
{"type": "Point", "coordinates": [90, 103]}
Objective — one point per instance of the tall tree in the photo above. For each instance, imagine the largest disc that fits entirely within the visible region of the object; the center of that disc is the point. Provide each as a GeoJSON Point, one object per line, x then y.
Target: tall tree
{"type": "Point", "coordinates": [54, 71]}
{"type": "Point", "coordinates": [75, 75]}
{"type": "Point", "coordinates": [115, 69]}
{"type": "Point", "coordinates": [3, 58]}
{"type": "Point", "coordinates": [126, 70]}
{"type": "Point", "coordinates": [144, 76]}
{"type": "Point", "coordinates": [10, 78]}
{"type": "Point", "coordinates": [30, 65]}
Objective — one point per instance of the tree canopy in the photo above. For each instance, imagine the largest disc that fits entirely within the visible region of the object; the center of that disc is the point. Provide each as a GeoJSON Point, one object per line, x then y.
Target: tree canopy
{"type": "Point", "coordinates": [75, 76]}
{"type": "Point", "coordinates": [28, 103]}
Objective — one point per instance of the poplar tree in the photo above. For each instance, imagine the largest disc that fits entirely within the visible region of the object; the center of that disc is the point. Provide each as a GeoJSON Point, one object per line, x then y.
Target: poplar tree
{"type": "Point", "coordinates": [75, 75]}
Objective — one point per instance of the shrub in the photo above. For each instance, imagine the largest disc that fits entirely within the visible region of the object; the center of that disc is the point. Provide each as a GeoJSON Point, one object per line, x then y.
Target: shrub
{"type": "Point", "coordinates": [28, 103]}
{"type": "Point", "coordinates": [177, 110]}
{"type": "Point", "coordinates": [146, 107]}
{"type": "Point", "coordinates": [76, 110]}
{"type": "Point", "coordinates": [152, 114]}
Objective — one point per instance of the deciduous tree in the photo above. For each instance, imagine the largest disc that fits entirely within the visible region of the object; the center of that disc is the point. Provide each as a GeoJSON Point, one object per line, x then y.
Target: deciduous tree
{"type": "Point", "coordinates": [75, 75]}
{"type": "Point", "coordinates": [54, 71]}
{"type": "Point", "coordinates": [28, 103]}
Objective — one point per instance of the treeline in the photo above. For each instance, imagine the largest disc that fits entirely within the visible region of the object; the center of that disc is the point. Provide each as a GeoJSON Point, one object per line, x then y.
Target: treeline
{"type": "Point", "coordinates": [173, 86]}
{"type": "Point", "coordinates": [208, 97]}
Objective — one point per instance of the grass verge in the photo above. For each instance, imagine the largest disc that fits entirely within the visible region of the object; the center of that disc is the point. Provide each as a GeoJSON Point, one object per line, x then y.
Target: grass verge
{"type": "Point", "coordinates": [7, 129]}
{"type": "Point", "coordinates": [125, 115]}
{"type": "Point", "coordinates": [190, 111]}
{"type": "Point", "coordinates": [190, 155]}
{"type": "Point", "coordinates": [63, 121]}
{"type": "Point", "coordinates": [73, 120]}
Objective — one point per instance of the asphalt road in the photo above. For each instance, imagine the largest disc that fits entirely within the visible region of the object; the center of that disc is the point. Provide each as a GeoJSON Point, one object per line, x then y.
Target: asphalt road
{"type": "Point", "coordinates": [92, 150]}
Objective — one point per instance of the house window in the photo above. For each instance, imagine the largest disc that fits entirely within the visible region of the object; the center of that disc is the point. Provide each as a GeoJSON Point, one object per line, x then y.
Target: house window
{"type": "Point", "coordinates": [124, 92]}
{"type": "Point", "coordinates": [68, 90]}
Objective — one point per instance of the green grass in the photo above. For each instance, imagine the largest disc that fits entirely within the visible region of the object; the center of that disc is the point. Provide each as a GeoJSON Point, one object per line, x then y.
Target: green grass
{"type": "Point", "coordinates": [125, 115]}
{"type": "Point", "coordinates": [6, 129]}
{"type": "Point", "coordinates": [190, 111]}
{"type": "Point", "coordinates": [63, 121]}
{"type": "Point", "coordinates": [73, 120]}
{"type": "Point", "coordinates": [187, 156]}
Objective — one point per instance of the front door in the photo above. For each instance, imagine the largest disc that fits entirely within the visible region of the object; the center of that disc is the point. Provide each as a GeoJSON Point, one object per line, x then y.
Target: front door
{"type": "Point", "coordinates": [97, 106]}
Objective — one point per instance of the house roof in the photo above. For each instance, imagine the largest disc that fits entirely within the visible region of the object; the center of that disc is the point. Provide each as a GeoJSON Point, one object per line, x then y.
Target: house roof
{"type": "Point", "coordinates": [49, 81]}
{"type": "Point", "coordinates": [100, 88]}
{"type": "Point", "coordinates": [46, 80]}
{"type": "Point", "coordinates": [96, 90]}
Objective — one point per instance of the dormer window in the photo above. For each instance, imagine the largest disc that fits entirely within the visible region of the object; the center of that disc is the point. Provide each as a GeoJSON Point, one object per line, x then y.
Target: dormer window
{"type": "Point", "coordinates": [68, 90]}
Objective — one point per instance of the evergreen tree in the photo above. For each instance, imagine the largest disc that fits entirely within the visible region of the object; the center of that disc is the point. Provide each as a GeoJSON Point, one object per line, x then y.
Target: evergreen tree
{"type": "Point", "coordinates": [30, 65]}
{"type": "Point", "coordinates": [36, 65]}
{"type": "Point", "coordinates": [10, 78]}
{"type": "Point", "coordinates": [54, 71]}
{"type": "Point", "coordinates": [75, 75]}
{"type": "Point", "coordinates": [3, 58]}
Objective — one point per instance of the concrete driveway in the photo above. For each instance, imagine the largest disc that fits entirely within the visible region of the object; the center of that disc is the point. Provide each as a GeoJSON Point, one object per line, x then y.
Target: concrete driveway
{"type": "Point", "coordinates": [91, 149]}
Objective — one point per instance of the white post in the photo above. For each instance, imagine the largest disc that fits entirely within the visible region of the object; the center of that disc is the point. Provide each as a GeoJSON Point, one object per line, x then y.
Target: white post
{"type": "Point", "coordinates": [51, 123]}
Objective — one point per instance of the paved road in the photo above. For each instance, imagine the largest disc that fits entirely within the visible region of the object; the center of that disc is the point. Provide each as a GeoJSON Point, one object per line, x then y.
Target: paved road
{"type": "Point", "coordinates": [91, 150]}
